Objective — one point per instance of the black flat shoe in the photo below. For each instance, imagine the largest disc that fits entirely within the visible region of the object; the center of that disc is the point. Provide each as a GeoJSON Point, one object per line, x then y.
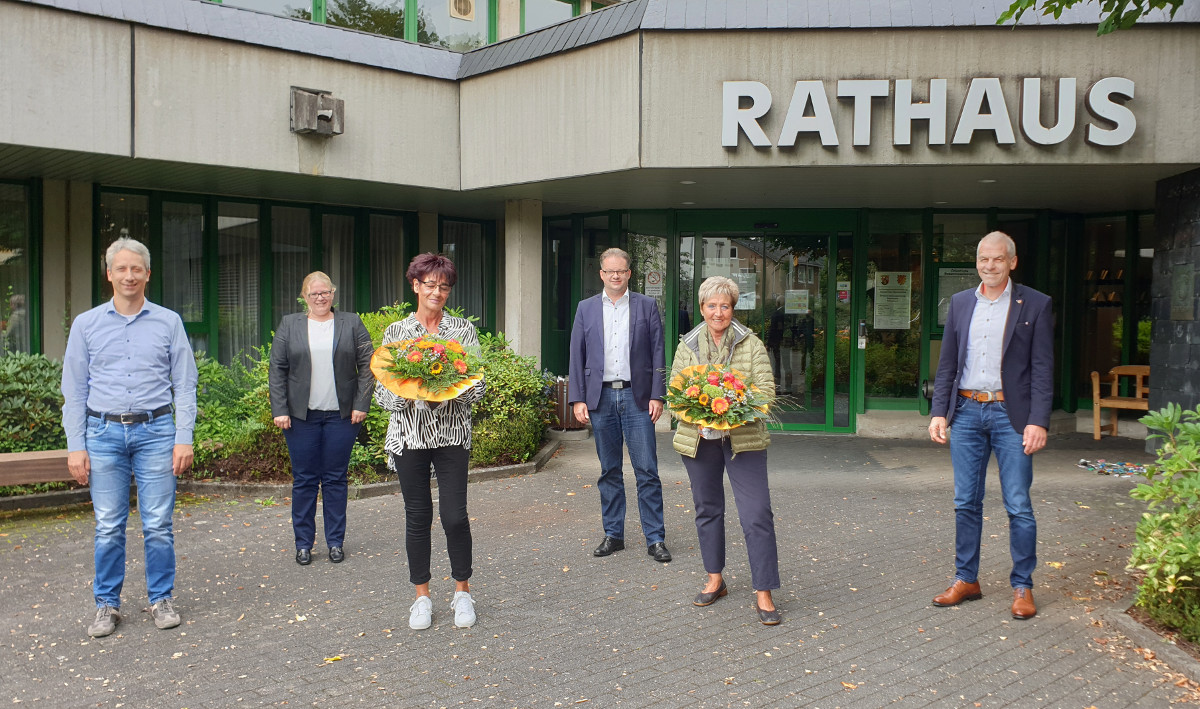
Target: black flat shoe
{"type": "Point", "coordinates": [608, 546]}
{"type": "Point", "coordinates": [771, 617]}
{"type": "Point", "coordinates": [658, 550]}
{"type": "Point", "coordinates": [336, 554]}
{"type": "Point", "coordinates": [304, 557]}
{"type": "Point", "coordinates": [707, 599]}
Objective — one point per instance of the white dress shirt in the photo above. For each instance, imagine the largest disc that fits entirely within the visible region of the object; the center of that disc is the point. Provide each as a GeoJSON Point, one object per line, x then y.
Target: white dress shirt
{"type": "Point", "coordinates": [616, 337]}
{"type": "Point", "coordinates": [985, 341]}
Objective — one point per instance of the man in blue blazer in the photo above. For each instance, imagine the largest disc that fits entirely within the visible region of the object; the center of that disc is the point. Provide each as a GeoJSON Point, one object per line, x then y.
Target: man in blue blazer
{"type": "Point", "coordinates": [617, 383]}
{"type": "Point", "coordinates": [994, 383]}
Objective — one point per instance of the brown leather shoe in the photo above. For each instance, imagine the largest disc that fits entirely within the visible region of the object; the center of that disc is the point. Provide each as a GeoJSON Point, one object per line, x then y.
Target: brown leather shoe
{"type": "Point", "coordinates": [957, 593]}
{"type": "Point", "coordinates": [1023, 608]}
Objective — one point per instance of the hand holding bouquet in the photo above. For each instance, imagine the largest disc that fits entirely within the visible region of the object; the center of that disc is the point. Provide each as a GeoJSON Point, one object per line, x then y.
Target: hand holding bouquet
{"type": "Point", "coordinates": [715, 397]}
{"type": "Point", "coordinates": [426, 368]}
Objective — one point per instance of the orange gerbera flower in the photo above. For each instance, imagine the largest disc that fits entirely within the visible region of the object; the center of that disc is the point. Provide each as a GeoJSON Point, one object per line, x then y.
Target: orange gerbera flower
{"type": "Point", "coordinates": [414, 356]}
{"type": "Point", "coordinates": [454, 346]}
{"type": "Point", "coordinates": [720, 405]}
{"type": "Point", "coordinates": [461, 366]}
{"type": "Point", "coordinates": [692, 391]}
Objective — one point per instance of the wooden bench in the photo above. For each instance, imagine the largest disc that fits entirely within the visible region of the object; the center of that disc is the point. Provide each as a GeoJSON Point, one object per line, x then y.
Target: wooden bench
{"type": "Point", "coordinates": [1140, 401]}
{"type": "Point", "coordinates": [34, 467]}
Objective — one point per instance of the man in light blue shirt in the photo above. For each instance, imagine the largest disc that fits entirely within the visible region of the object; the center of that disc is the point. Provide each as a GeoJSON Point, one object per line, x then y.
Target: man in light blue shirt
{"type": "Point", "coordinates": [128, 365]}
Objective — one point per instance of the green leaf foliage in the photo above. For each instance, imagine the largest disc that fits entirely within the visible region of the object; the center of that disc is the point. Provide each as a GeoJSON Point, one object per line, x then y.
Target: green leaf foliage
{"type": "Point", "coordinates": [1114, 14]}
{"type": "Point", "coordinates": [1167, 550]}
{"type": "Point", "coordinates": [30, 403]}
{"type": "Point", "coordinates": [510, 420]}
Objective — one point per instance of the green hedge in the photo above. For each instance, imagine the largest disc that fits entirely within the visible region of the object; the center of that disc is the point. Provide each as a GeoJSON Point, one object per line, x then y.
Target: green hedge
{"type": "Point", "coordinates": [1167, 549]}
{"type": "Point", "coordinates": [30, 403]}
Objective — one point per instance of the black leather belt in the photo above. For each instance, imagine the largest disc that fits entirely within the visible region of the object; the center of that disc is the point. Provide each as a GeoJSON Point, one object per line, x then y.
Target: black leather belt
{"type": "Point", "coordinates": [618, 384]}
{"type": "Point", "coordinates": [131, 417]}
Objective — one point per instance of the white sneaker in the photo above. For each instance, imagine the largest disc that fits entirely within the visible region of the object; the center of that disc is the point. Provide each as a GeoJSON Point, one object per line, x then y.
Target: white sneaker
{"type": "Point", "coordinates": [420, 613]}
{"type": "Point", "coordinates": [464, 609]}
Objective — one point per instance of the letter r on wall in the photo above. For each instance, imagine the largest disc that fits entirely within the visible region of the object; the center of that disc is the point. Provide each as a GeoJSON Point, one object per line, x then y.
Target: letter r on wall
{"type": "Point", "coordinates": [733, 116]}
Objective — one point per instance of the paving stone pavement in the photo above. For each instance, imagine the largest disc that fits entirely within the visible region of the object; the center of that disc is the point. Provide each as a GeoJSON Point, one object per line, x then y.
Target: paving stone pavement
{"type": "Point", "coordinates": [865, 533]}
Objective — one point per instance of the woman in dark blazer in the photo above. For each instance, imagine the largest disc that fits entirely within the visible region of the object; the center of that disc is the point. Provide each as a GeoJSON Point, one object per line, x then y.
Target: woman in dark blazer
{"type": "Point", "coordinates": [321, 387]}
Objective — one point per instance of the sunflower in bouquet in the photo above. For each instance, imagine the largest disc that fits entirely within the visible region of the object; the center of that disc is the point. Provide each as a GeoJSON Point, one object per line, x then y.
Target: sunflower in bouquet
{"type": "Point", "coordinates": [715, 397]}
{"type": "Point", "coordinates": [426, 367]}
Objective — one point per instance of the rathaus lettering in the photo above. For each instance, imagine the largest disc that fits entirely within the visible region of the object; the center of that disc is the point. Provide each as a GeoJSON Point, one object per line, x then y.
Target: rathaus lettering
{"type": "Point", "coordinates": [983, 110]}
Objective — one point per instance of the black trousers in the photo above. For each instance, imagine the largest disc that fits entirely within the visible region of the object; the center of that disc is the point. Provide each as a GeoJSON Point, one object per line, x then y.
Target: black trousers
{"type": "Point", "coordinates": [450, 464]}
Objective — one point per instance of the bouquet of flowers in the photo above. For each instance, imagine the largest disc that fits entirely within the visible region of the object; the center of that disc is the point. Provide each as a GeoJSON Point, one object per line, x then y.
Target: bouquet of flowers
{"type": "Point", "coordinates": [714, 397]}
{"type": "Point", "coordinates": [427, 368]}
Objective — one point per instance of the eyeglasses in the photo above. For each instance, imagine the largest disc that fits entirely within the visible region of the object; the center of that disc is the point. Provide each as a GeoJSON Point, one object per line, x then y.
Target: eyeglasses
{"type": "Point", "coordinates": [320, 295]}
{"type": "Point", "coordinates": [434, 285]}
{"type": "Point", "coordinates": [620, 272]}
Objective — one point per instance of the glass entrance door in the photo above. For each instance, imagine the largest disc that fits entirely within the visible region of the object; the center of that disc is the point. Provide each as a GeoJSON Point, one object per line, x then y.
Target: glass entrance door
{"type": "Point", "coordinates": [794, 294]}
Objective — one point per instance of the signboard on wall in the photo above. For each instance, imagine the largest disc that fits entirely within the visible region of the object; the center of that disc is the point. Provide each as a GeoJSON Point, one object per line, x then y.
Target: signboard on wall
{"type": "Point", "coordinates": [951, 281]}
{"type": "Point", "coordinates": [654, 284]}
{"type": "Point", "coordinates": [747, 290]}
{"type": "Point", "coordinates": [893, 300]}
{"type": "Point", "coordinates": [795, 302]}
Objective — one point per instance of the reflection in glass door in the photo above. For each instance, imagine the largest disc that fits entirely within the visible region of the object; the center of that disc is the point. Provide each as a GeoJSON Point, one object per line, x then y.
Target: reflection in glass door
{"type": "Point", "coordinates": [787, 297]}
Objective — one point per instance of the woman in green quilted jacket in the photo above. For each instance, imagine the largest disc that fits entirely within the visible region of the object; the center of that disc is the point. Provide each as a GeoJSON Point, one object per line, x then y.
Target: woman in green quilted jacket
{"type": "Point", "coordinates": [709, 454]}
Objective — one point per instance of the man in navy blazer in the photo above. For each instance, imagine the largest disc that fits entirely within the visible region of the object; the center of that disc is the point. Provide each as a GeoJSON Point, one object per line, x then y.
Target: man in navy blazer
{"type": "Point", "coordinates": [993, 387]}
{"type": "Point", "coordinates": [617, 383]}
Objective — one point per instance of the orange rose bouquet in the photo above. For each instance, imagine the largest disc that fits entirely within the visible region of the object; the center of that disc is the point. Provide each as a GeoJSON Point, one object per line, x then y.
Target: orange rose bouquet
{"type": "Point", "coordinates": [427, 368]}
{"type": "Point", "coordinates": [714, 397]}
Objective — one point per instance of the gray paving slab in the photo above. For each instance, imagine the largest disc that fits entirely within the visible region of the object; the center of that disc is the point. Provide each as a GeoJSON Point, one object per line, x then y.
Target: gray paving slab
{"type": "Point", "coordinates": [866, 539]}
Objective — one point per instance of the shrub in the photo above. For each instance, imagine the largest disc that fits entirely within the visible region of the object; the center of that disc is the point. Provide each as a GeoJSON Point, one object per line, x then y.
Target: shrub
{"type": "Point", "coordinates": [510, 420]}
{"type": "Point", "coordinates": [30, 403]}
{"type": "Point", "coordinates": [1167, 550]}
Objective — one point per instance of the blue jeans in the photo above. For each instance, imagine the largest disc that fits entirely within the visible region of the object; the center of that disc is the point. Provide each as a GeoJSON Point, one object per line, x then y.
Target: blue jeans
{"type": "Point", "coordinates": [319, 447]}
{"type": "Point", "coordinates": [618, 419]}
{"type": "Point", "coordinates": [977, 430]}
{"type": "Point", "coordinates": [143, 452]}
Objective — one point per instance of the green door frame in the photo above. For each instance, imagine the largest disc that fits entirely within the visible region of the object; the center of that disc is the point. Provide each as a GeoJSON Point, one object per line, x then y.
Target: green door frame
{"type": "Point", "coordinates": [836, 223]}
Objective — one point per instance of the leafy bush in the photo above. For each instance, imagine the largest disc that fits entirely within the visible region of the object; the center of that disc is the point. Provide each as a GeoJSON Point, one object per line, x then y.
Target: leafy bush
{"type": "Point", "coordinates": [1167, 550]}
{"type": "Point", "coordinates": [233, 409]}
{"type": "Point", "coordinates": [30, 403]}
{"type": "Point", "coordinates": [510, 420]}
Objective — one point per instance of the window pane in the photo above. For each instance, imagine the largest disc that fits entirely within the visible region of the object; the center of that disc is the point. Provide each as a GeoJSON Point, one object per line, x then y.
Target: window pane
{"type": "Point", "coordinates": [337, 237]}
{"type": "Point", "coordinates": [238, 280]}
{"type": "Point", "coordinates": [120, 215]}
{"type": "Point", "coordinates": [14, 270]}
{"type": "Point", "coordinates": [558, 275]}
{"type": "Point", "coordinates": [1104, 289]}
{"type": "Point", "coordinates": [291, 240]}
{"type": "Point", "coordinates": [387, 261]}
{"type": "Point", "coordinates": [286, 8]}
{"type": "Point", "coordinates": [1147, 237]}
{"type": "Point", "coordinates": [460, 25]}
{"type": "Point", "coordinates": [540, 13]}
{"type": "Point", "coordinates": [181, 272]}
{"type": "Point", "coordinates": [385, 17]}
{"type": "Point", "coordinates": [894, 264]}
{"type": "Point", "coordinates": [463, 243]}
{"type": "Point", "coordinates": [956, 235]}
{"type": "Point", "coordinates": [596, 240]}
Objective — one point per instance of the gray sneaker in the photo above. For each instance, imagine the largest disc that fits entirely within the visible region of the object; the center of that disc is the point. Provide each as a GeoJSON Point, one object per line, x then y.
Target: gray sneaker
{"type": "Point", "coordinates": [164, 614]}
{"type": "Point", "coordinates": [106, 621]}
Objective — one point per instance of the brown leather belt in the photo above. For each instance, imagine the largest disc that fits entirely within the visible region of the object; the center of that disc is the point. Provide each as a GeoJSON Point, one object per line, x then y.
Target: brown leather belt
{"type": "Point", "coordinates": [983, 397]}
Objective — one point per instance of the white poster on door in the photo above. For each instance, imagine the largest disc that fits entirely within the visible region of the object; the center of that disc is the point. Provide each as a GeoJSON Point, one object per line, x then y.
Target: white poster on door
{"type": "Point", "coordinates": [893, 300]}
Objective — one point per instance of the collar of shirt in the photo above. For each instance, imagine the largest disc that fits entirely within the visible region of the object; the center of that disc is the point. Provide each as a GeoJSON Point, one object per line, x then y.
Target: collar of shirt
{"type": "Point", "coordinates": [619, 301]}
{"type": "Point", "coordinates": [111, 308]}
{"type": "Point", "coordinates": [1007, 294]}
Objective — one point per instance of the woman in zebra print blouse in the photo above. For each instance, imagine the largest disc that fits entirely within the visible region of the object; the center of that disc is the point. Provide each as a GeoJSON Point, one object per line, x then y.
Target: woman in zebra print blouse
{"type": "Point", "coordinates": [421, 434]}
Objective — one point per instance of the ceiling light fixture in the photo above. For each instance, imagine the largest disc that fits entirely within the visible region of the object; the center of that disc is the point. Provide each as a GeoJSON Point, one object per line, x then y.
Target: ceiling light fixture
{"type": "Point", "coordinates": [687, 182]}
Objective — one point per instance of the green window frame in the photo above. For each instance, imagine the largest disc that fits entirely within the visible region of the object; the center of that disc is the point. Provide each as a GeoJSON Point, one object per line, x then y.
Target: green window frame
{"type": "Point", "coordinates": [208, 328]}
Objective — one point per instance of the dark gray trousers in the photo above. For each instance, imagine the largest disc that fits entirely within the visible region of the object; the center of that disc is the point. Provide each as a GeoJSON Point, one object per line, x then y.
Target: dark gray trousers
{"type": "Point", "coordinates": [748, 478]}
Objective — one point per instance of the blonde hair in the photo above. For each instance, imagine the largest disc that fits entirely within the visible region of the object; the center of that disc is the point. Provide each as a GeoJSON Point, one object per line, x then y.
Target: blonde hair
{"type": "Point", "coordinates": [718, 285]}
{"type": "Point", "coordinates": [315, 276]}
